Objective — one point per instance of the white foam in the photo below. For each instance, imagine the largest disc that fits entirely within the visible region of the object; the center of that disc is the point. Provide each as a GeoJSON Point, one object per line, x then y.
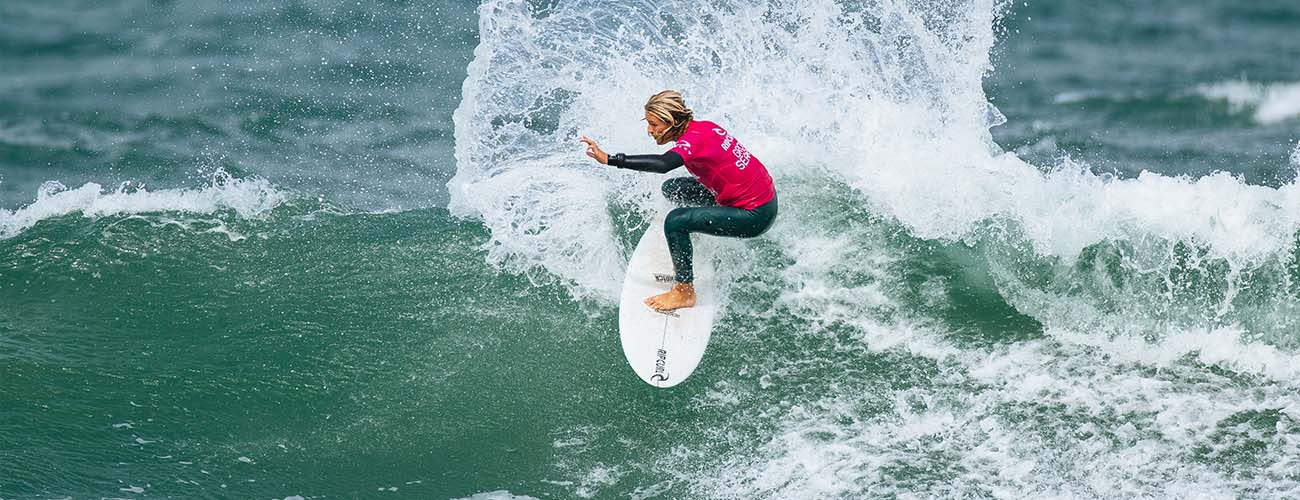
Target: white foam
{"type": "Point", "coordinates": [554, 219]}
{"type": "Point", "coordinates": [1223, 347]}
{"type": "Point", "coordinates": [1238, 93]}
{"type": "Point", "coordinates": [497, 495]}
{"type": "Point", "coordinates": [1072, 97]}
{"type": "Point", "coordinates": [247, 197]}
{"type": "Point", "coordinates": [1033, 419]}
{"type": "Point", "coordinates": [842, 276]}
{"type": "Point", "coordinates": [598, 477]}
{"type": "Point", "coordinates": [1271, 102]}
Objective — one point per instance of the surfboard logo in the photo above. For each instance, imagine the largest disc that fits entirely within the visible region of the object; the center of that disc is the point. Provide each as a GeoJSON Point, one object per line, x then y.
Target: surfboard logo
{"type": "Point", "coordinates": [661, 359]}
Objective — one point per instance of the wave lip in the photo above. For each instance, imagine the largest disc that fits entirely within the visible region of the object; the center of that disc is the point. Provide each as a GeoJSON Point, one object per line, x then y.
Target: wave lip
{"type": "Point", "coordinates": [247, 197]}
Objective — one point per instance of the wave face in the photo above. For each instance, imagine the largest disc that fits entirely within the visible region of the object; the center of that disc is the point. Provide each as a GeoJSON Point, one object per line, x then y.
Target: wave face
{"type": "Point", "coordinates": [1111, 313]}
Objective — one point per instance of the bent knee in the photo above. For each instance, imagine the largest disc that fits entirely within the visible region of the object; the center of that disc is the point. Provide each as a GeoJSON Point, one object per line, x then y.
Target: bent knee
{"type": "Point", "coordinates": [678, 220]}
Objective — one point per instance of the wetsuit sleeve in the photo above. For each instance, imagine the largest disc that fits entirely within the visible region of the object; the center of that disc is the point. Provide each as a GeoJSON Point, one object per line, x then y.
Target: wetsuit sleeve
{"type": "Point", "coordinates": [660, 164]}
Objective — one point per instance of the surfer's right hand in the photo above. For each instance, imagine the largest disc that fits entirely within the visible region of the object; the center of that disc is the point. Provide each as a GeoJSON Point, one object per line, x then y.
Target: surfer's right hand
{"type": "Point", "coordinates": [594, 151]}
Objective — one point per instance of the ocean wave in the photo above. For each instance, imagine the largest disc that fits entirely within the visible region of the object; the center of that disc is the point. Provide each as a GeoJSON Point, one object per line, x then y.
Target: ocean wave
{"type": "Point", "coordinates": [252, 197]}
{"type": "Point", "coordinates": [1259, 103]}
{"type": "Point", "coordinates": [1268, 103]}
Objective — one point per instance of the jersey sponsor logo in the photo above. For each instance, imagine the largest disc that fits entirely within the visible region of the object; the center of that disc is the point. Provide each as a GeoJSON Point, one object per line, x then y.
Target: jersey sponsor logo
{"type": "Point", "coordinates": [661, 358]}
{"type": "Point", "coordinates": [742, 156]}
{"type": "Point", "coordinates": [684, 145]}
{"type": "Point", "coordinates": [728, 140]}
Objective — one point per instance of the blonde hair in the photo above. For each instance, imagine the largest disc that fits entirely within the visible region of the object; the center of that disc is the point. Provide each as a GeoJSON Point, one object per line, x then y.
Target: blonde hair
{"type": "Point", "coordinates": [669, 107]}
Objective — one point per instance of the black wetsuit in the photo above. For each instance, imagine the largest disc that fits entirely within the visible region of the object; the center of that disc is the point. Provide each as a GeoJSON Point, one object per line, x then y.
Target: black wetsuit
{"type": "Point", "coordinates": [699, 212]}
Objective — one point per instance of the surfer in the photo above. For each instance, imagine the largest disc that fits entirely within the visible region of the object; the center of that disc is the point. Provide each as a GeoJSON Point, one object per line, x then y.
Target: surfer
{"type": "Point", "coordinates": [730, 192]}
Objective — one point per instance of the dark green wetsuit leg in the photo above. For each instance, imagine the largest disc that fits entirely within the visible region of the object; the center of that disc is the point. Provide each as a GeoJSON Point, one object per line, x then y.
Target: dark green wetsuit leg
{"type": "Point", "coordinates": [687, 191]}
{"type": "Point", "coordinates": [711, 219]}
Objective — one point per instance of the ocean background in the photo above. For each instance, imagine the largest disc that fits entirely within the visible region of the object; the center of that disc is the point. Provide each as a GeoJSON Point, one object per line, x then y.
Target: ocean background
{"type": "Point", "coordinates": [334, 250]}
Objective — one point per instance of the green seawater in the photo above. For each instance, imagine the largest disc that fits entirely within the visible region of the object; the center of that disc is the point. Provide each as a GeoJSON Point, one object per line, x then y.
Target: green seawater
{"type": "Point", "coordinates": [330, 357]}
{"type": "Point", "coordinates": [343, 355]}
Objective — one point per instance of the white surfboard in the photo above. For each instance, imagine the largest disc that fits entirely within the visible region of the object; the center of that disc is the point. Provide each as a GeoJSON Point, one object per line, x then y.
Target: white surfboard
{"type": "Point", "coordinates": [663, 347]}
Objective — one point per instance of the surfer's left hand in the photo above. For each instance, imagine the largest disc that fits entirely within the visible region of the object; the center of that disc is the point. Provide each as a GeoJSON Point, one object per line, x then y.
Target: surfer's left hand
{"type": "Point", "coordinates": [594, 151]}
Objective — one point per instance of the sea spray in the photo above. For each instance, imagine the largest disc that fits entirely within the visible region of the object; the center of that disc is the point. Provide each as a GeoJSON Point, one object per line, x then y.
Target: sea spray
{"type": "Point", "coordinates": [805, 82]}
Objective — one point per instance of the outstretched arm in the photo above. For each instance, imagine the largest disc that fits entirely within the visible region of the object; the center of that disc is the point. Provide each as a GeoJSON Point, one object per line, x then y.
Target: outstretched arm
{"type": "Point", "coordinates": [645, 163]}
{"type": "Point", "coordinates": [659, 164]}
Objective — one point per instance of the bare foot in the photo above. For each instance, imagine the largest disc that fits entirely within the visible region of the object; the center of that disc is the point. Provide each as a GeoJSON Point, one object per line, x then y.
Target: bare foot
{"type": "Point", "coordinates": [682, 295]}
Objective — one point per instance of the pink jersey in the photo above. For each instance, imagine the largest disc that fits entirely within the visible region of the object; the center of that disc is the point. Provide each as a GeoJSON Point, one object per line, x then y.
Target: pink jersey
{"type": "Point", "coordinates": [736, 177]}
